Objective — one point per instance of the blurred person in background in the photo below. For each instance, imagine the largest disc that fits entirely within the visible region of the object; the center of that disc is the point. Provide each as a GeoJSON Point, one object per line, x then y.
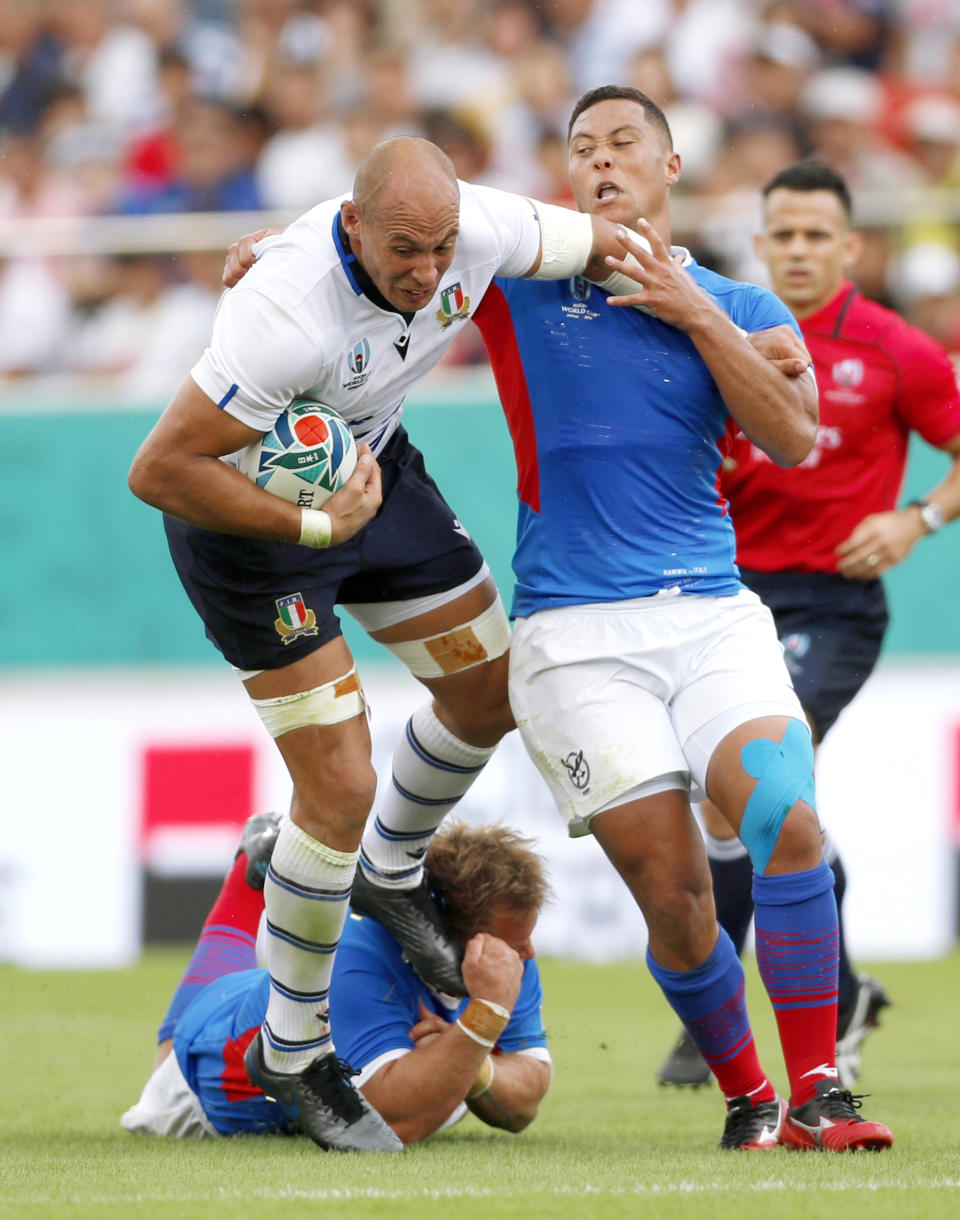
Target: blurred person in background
{"type": "Point", "coordinates": [932, 127]}
{"type": "Point", "coordinates": [925, 284]}
{"type": "Point", "coordinates": [421, 1057]}
{"type": "Point", "coordinates": [31, 61]}
{"type": "Point", "coordinates": [697, 127]}
{"type": "Point", "coordinates": [152, 322]}
{"type": "Point", "coordinates": [773, 75]}
{"type": "Point", "coordinates": [305, 158]}
{"type": "Point", "coordinates": [452, 65]}
{"type": "Point", "coordinates": [851, 32]}
{"type": "Point", "coordinates": [112, 60]}
{"type": "Point", "coordinates": [845, 110]}
{"type": "Point", "coordinates": [35, 317]}
{"type": "Point", "coordinates": [814, 541]}
{"type": "Point", "coordinates": [214, 165]}
{"type": "Point", "coordinates": [540, 99]}
{"type": "Point", "coordinates": [751, 150]}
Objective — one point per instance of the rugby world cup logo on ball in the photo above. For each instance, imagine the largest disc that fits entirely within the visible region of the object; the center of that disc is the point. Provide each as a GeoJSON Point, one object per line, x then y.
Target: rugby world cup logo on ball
{"type": "Point", "coordinates": [308, 456]}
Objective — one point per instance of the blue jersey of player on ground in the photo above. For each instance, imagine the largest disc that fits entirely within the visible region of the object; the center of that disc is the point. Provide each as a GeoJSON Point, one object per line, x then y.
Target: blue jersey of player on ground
{"type": "Point", "coordinates": [378, 1002]}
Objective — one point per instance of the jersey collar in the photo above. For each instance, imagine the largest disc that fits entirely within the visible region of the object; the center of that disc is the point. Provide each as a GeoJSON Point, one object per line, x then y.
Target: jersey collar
{"type": "Point", "coordinates": [357, 278]}
{"type": "Point", "coordinates": [830, 316]}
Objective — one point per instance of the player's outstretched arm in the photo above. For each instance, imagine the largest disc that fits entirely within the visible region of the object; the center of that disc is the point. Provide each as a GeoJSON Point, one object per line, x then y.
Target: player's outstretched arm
{"type": "Point", "coordinates": [778, 413]}
{"type": "Point", "coordinates": [177, 470]}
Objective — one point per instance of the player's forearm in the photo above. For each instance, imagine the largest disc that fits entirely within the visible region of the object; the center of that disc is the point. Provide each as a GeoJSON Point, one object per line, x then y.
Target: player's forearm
{"type": "Point", "coordinates": [177, 470]}
{"type": "Point", "coordinates": [778, 413]}
{"type": "Point", "coordinates": [213, 496]}
{"type": "Point", "coordinates": [417, 1093]}
{"type": "Point", "coordinates": [513, 1098]}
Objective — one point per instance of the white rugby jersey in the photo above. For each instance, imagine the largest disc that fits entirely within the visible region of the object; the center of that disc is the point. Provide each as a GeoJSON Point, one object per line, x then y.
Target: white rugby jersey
{"type": "Point", "coordinates": [299, 325]}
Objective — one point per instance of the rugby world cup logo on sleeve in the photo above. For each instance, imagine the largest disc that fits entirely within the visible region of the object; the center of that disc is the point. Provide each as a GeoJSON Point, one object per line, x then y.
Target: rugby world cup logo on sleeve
{"type": "Point", "coordinates": [293, 618]}
{"type": "Point", "coordinates": [454, 306]}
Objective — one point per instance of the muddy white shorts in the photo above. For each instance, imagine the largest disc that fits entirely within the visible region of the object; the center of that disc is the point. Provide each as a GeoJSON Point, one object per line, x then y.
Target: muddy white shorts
{"type": "Point", "coordinates": [618, 700]}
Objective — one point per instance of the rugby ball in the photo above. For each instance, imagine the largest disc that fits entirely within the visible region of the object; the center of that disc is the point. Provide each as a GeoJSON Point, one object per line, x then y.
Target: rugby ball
{"type": "Point", "coordinates": [308, 456]}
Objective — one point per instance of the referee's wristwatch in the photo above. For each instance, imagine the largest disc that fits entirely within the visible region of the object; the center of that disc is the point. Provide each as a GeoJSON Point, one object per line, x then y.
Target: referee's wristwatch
{"type": "Point", "coordinates": [930, 514]}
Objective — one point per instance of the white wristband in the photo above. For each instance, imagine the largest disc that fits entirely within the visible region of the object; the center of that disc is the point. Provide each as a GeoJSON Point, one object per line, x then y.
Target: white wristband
{"type": "Point", "coordinates": [316, 528]}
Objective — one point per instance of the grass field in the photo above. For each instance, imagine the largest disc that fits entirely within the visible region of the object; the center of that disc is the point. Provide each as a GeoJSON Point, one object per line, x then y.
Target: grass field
{"type": "Point", "coordinates": [607, 1143]}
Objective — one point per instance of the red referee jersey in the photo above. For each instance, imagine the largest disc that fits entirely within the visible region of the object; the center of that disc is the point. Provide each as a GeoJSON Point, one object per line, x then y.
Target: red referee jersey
{"type": "Point", "coordinates": [879, 378]}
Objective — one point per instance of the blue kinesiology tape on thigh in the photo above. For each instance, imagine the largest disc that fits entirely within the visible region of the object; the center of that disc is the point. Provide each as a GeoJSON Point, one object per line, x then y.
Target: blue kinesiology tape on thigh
{"type": "Point", "coordinates": [785, 772]}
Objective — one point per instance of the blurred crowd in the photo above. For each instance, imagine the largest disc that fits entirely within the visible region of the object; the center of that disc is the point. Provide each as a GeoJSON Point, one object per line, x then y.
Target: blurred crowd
{"type": "Point", "coordinates": [152, 107]}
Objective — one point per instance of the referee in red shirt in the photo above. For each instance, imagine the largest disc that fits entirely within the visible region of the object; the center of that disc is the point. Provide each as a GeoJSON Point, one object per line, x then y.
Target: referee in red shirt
{"type": "Point", "coordinates": [814, 540]}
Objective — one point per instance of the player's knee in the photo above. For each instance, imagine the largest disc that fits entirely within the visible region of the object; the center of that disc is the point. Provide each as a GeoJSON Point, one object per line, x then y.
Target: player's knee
{"type": "Point", "coordinates": [341, 802]}
{"type": "Point", "coordinates": [798, 843]}
{"type": "Point", "coordinates": [781, 811]}
{"type": "Point", "coordinates": [475, 705]}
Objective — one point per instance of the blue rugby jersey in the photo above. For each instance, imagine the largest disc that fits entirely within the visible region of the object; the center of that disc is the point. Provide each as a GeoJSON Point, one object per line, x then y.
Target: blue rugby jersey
{"type": "Point", "coordinates": [617, 428]}
{"type": "Point", "coordinates": [375, 1004]}
{"type": "Point", "coordinates": [376, 999]}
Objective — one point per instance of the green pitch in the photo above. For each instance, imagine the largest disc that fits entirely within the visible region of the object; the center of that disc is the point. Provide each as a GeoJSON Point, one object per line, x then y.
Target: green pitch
{"type": "Point", "coordinates": [608, 1143]}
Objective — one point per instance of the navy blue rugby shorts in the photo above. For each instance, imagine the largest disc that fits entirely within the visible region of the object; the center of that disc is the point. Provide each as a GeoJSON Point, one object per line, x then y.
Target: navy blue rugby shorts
{"type": "Point", "coordinates": [268, 604]}
{"type": "Point", "coordinates": [831, 629]}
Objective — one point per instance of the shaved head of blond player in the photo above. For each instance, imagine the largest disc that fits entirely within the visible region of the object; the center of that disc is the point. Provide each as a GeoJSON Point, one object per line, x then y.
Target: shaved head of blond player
{"type": "Point", "coordinates": [403, 219]}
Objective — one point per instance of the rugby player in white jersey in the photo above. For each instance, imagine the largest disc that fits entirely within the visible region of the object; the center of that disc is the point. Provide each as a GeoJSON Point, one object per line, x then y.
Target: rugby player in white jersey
{"type": "Point", "coordinates": [641, 667]}
{"type": "Point", "coordinates": [351, 306]}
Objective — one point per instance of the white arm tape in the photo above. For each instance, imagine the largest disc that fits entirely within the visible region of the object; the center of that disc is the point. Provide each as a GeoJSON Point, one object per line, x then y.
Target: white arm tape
{"type": "Point", "coordinates": [316, 528]}
{"type": "Point", "coordinates": [566, 240]}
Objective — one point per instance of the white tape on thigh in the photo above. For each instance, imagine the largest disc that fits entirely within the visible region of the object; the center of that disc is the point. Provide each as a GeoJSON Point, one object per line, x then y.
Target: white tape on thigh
{"type": "Point", "coordinates": [566, 239]}
{"type": "Point", "coordinates": [482, 639]}
{"type": "Point", "coordinates": [341, 699]}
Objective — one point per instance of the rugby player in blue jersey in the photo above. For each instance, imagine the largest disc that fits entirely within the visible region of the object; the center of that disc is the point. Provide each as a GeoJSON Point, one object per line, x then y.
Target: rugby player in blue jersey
{"type": "Point", "coordinates": [642, 672]}
{"type": "Point", "coordinates": [422, 1058]}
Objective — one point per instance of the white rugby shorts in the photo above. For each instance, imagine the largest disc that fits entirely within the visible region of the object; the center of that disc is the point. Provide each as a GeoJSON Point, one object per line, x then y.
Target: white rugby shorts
{"type": "Point", "coordinates": [168, 1106]}
{"type": "Point", "coordinates": [616, 696]}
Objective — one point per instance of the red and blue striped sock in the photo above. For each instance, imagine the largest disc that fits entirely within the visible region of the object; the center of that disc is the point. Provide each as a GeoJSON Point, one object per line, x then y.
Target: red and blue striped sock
{"type": "Point", "coordinates": [710, 1001]}
{"type": "Point", "coordinates": [795, 924]}
{"type": "Point", "coordinates": [228, 942]}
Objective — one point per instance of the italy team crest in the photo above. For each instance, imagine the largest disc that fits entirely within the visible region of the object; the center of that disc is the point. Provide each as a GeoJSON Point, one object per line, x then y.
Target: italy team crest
{"type": "Point", "coordinates": [454, 306]}
{"type": "Point", "coordinates": [294, 619]}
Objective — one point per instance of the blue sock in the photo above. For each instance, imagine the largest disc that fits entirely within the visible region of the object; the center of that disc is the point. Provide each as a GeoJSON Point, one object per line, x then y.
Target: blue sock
{"type": "Point", "coordinates": [710, 1001]}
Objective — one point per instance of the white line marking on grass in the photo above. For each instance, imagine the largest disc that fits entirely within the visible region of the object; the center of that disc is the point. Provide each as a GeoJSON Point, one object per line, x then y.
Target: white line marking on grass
{"type": "Point", "coordinates": [454, 1192]}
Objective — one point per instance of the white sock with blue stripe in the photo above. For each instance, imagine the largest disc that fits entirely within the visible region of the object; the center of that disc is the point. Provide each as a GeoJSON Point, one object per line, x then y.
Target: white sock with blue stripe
{"type": "Point", "coordinates": [432, 770]}
{"type": "Point", "coordinates": [306, 892]}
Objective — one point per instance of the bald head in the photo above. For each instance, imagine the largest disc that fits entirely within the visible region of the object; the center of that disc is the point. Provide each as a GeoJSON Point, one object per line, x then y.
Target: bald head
{"type": "Point", "coordinates": [404, 170]}
{"type": "Point", "coordinates": [403, 220]}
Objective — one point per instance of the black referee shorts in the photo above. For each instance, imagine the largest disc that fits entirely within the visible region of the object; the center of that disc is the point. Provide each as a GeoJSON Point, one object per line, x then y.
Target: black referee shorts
{"type": "Point", "coordinates": [831, 629]}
